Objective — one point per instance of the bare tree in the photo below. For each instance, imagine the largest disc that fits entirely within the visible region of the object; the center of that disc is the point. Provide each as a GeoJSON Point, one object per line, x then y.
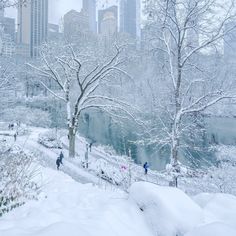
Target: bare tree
{"type": "Point", "coordinates": [79, 79]}
{"type": "Point", "coordinates": [186, 30]}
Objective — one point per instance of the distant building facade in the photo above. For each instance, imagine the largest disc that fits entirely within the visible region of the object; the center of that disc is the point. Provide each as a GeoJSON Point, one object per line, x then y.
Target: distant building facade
{"type": "Point", "coordinates": [108, 21]}
{"type": "Point", "coordinates": [7, 45]}
{"type": "Point", "coordinates": [53, 32]}
{"type": "Point", "coordinates": [130, 11]}
{"type": "Point", "coordinates": [89, 7]}
{"type": "Point", "coordinates": [32, 25]}
{"type": "Point", "coordinates": [9, 27]}
{"type": "Point", "coordinates": [76, 26]}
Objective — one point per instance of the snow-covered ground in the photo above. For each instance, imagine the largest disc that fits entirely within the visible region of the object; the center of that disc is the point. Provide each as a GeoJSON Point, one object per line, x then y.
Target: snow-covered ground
{"type": "Point", "coordinates": [66, 207]}
{"type": "Point", "coordinates": [76, 201]}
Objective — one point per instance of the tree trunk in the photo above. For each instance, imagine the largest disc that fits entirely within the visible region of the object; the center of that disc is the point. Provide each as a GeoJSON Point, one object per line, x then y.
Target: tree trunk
{"type": "Point", "coordinates": [71, 143]}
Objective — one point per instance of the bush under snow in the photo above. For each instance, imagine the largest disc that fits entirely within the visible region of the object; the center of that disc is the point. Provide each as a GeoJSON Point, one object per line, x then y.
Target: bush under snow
{"type": "Point", "coordinates": [49, 139]}
{"type": "Point", "coordinates": [169, 211]}
{"type": "Point", "coordinates": [16, 179]}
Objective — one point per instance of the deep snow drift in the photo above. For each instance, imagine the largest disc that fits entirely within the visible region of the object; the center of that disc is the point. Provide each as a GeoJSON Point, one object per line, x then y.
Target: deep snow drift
{"type": "Point", "coordinates": [66, 207]}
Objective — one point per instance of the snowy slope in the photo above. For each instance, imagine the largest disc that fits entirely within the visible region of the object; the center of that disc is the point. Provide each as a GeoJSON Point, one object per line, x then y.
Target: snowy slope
{"type": "Point", "coordinates": [66, 207]}
{"type": "Point", "coordinates": [69, 208]}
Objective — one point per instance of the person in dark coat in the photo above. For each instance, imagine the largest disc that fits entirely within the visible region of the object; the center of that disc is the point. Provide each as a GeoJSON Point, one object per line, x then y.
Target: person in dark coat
{"type": "Point", "coordinates": [61, 156]}
{"type": "Point", "coordinates": [90, 146]}
{"type": "Point", "coordinates": [15, 135]}
{"type": "Point", "coordinates": [58, 162]}
{"type": "Point", "coordinates": [145, 166]}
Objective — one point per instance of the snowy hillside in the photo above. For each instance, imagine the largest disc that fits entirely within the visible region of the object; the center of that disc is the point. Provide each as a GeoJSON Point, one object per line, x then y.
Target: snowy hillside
{"type": "Point", "coordinates": [66, 207]}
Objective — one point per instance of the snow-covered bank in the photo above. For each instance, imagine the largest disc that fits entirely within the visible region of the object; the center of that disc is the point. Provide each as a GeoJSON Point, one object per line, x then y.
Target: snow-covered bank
{"type": "Point", "coordinates": [66, 207]}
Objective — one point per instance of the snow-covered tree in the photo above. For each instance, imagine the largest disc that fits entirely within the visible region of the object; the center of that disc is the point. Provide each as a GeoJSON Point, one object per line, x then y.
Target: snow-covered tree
{"type": "Point", "coordinates": [184, 34]}
{"type": "Point", "coordinates": [79, 78]}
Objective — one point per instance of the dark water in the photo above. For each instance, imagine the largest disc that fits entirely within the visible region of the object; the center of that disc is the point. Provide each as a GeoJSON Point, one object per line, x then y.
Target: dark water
{"type": "Point", "coordinates": [101, 129]}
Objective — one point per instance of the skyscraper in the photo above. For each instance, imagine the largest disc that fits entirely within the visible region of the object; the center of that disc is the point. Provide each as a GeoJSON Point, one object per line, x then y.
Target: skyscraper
{"type": "Point", "coordinates": [76, 26]}
{"type": "Point", "coordinates": [33, 25]}
{"type": "Point", "coordinates": [108, 21]}
{"type": "Point", "coordinates": [130, 17]}
{"type": "Point", "coordinates": [9, 27]}
{"type": "Point", "coordinates": [89, 6]}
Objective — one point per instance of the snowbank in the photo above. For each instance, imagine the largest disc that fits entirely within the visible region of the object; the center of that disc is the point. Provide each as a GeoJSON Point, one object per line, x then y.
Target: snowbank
{"type": "Point", "coordinates": [169, 211]}
{"type": "Point", "coordinates": [221, 206]}
{"type": "Point", "coordinates": [67, 207]}
{"type": "Point", "coordinates": [213, 229]}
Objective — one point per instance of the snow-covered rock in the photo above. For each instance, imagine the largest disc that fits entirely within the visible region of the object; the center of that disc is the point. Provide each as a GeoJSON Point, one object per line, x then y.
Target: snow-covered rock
{"type": "Point", "coordinates": [169, 211]}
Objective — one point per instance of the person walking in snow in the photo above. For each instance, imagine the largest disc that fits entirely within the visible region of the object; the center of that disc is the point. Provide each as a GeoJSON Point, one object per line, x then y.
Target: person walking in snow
{"type": "Point", "coordinates": [15, 135]}
{"type": "Point", "coordinates": [61, 156]}
{"type": "Point", "coordinates": [90, 146]}
{"type": "Point", "coordinates": [58, 162]}
{"type": "Point", "coordinates": [145, 166]}
{"type": "Point", "coordinates": [86, 156]}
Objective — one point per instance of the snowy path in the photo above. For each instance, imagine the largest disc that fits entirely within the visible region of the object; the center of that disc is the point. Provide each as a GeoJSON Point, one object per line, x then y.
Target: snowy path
{"type": "Point", "coordinates": [47, 157]}
{"type": "Point", "coordinates": [73, 167]}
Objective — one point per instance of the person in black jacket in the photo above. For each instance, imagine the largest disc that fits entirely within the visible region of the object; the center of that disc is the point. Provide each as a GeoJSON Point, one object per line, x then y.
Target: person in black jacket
{"type": "Point", "coordinates": [145, 166]}
{"type": "Point", "coordinates": [59, 162]}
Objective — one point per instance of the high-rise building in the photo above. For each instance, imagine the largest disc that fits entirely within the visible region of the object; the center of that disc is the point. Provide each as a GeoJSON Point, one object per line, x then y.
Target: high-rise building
{"type": "Point", "coordinates": [53, 32]}
{"type": "Point", "coordinates": [7, 46]}
{"type": "Point", "coordinates": [89, 6]}
{"type": "Point", "coordinates": [130, 12]}
{"type": "Point", "coordinates": [108, 21]}
{"type": "Point", "coordinates": [9, 27]}
{"type": "Point", "coordinates": [76, 26]}
{"type": "Point", "coordinates": [33, 25]}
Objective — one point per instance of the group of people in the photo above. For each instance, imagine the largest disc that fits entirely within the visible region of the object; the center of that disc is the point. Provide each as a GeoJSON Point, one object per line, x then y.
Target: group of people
{"type": "Point", "coordinates": [11, 126]}
{"type": "Point", "coordinates": [61, 156]}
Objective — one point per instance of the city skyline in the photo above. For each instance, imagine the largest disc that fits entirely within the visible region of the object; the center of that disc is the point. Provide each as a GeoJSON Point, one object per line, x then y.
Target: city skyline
{"type": "Point", "coordinates": [58, 8]}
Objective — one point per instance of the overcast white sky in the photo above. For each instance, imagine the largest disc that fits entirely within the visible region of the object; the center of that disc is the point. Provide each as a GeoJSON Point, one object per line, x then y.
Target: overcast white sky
{"type": "Point", "coordinates": [57, 8]}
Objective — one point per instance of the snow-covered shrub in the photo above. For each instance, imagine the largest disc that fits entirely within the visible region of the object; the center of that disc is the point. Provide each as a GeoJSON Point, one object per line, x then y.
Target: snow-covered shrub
{"type": "Point", "coordinates": [107, 172]}
{"type": "Point", "coordinates": [49, 139]}
{"type": "Point", "coordinates": [220, 178]}
{"type": "Point", "coordinates": [226, 154]}
{"type": "Point", "coordinates": [32, 117]}
{"type": "Point", "coordinates": [17, 175]}
{"type": "Point", "coordinates": [23, 130]}
{"type": "Point", "coordinates": [223, 178]}
{"type": "Point", "coordinates": [174, 173]}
